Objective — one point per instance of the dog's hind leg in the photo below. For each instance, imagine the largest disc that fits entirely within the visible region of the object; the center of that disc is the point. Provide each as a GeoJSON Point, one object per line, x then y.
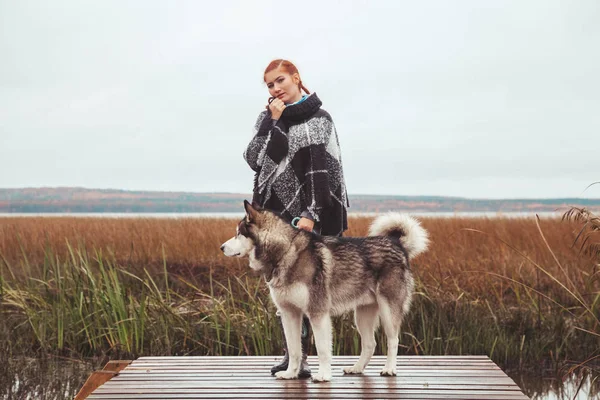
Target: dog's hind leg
{"type": "Point", "coordinates": [292, 328]}
{"type": "Point", "coordinates": [323, 336]}
{"type": "Point", "coordinates": [391, 319]}
{"type": "Point", "coordinates": [366, 321]}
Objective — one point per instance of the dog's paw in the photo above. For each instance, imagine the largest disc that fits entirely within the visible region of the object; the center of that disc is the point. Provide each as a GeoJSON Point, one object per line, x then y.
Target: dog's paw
{"type": "Point", "coordinates": [388, 372]}
{"type": "Point", "coordinates": [286, 375]}
{"type": "Point", "coordinates": [321, 377]}
{"type": "Point", "coordinates": [353, 370]}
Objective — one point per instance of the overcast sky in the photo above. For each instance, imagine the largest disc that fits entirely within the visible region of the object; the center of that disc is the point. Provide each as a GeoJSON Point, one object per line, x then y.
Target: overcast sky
{"type": "Point", "coordinates": [482, 99]}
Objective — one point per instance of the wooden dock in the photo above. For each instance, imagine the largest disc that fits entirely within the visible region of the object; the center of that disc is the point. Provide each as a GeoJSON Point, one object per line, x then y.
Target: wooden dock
{"type": "Point", "coordinates": [419, 377]}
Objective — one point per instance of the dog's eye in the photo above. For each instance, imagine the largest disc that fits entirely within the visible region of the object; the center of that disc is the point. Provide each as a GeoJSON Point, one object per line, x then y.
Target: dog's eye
{"type": "Point", "coordinates": [244, 228]}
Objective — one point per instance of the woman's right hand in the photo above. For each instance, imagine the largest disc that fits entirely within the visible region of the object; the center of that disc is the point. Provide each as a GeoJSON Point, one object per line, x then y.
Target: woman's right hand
{"type": "Point", "coordinates": [276, 106]}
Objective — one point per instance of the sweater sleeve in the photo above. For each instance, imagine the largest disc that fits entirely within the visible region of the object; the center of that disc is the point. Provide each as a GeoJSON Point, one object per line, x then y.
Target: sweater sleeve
{"type": "Point", "coordinates": [269, 140]}
{"type": "Point", "coordinates": [318, 190]}
{"type": "Point", "coordinates": [257, 146]}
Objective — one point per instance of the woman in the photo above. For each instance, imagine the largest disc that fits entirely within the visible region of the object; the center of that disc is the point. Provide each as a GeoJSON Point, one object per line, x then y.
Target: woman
{"type": "Point", "coordinates": [295, 154]}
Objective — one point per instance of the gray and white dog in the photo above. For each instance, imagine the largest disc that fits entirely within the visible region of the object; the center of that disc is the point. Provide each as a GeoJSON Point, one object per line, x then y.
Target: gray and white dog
{"type": "Point", "coordinates": [323, 276]}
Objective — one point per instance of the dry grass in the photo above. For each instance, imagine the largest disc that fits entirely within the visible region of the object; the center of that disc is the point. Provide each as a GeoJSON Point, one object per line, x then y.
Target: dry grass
{"type": "Point", "coordinates": [467, 255]}
{"type": "Point", "coordinates": [519, 290]}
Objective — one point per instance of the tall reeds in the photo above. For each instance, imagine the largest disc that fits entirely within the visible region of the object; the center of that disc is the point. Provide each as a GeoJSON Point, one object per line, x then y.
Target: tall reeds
{"type": "Point", "coordinates": [515, 289]}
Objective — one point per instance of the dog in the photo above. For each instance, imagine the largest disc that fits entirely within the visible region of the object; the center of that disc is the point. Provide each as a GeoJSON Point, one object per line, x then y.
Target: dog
{"type": "Point", "coordinates": [323, 276]}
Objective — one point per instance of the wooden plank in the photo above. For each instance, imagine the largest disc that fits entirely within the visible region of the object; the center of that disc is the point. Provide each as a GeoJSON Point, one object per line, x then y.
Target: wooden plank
{"type": "Point", "coordinates": [244, 370]}
{"type": "Point", "coordinates": [336, 374]}
{"type": "Point", "coordinates": [263, 373]}
{"type": "Point", "coordinates": [217, 366]}
{"type": "Point", "coordinates": [314, 361]}
{"type": "Point", "coordinates": [310, 395]}
{"type": "Point", "coordinates": [313, 393]}
{"type": "Point", "coordinates": [261, 368]}
{"type": "Point", "coordinates": [148, 386]}
{"type": "Point", "coordinates": [218, 363]}
{"type": "Point", "coordinates": [341, 380]}
{"type": "Point", "coordinates": [259, 358]}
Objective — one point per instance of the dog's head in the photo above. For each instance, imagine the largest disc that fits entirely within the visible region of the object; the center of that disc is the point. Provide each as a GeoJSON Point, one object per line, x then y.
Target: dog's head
{"type": "Point", "coordinates": [258, 226]}
{"type": "Point", "coordinates": [247, 232]}
{"type": "Point", "coordinates": [243, 242]}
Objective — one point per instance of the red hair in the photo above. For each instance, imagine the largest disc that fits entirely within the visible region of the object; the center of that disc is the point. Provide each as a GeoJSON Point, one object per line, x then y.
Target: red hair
{"type": "Point", "coordinates": [288, 67]}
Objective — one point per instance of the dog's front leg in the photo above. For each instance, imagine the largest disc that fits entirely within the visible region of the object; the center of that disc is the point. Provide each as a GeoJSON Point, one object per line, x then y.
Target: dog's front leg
{"type": "Point", "coordinates": [323, 337]}
{"type": "Point", "coordinates": [292, 328]}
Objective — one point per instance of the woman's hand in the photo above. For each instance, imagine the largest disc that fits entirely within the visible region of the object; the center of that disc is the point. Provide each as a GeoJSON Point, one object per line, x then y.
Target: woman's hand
{"type": "Point", "coordinates": [306, 224]}
{"type": "Point", "coordinates": [276, 106]}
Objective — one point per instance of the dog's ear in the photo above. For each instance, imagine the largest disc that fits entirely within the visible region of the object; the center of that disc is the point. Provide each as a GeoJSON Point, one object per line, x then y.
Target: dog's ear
{"type": "Point", "coordinates": [251, 212]}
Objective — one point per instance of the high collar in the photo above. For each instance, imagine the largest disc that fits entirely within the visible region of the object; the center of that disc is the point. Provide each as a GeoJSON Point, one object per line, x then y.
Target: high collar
{"type": "Point", "coordinates": [303, 110]}
{"type": "Point", "coordinates": [304, 97]}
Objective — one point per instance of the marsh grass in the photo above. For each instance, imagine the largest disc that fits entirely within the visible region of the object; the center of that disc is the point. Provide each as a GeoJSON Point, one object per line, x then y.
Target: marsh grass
{"type": "Point", "coordinates": [588, 236]}
{"type": "Point", "coordinates": [514, 289]}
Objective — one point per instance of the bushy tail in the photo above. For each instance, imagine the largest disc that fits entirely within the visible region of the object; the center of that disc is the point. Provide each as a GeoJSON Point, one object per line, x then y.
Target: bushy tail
{"type": "Point", "coordinates": [409, 230]}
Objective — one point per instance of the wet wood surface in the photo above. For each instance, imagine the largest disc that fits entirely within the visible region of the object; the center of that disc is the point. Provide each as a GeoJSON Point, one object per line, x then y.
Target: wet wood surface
{"type": "Point", "coordinates": [419, 377]}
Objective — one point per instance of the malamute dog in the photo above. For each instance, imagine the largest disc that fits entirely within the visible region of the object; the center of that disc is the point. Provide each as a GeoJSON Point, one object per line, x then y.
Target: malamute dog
{"type": "Point", "coordinates": [323, 276]}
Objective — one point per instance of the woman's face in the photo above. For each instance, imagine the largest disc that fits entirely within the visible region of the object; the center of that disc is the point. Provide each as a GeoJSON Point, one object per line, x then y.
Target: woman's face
{"type": "Point", "coordinates": [283, 85]}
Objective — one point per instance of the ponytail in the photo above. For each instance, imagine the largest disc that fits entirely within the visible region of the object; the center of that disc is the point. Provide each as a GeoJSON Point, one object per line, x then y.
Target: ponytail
{"type": "Point", "coordinates": [302, 87]}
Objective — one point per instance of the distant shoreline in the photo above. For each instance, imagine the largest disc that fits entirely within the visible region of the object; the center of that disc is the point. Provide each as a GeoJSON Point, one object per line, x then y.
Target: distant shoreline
{"type": "Point", "coordinates": [65, 200]}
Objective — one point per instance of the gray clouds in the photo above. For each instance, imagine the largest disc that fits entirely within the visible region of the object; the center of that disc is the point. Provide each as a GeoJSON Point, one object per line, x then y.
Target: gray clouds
{"type": "Point", "coordinates": [473, 99]}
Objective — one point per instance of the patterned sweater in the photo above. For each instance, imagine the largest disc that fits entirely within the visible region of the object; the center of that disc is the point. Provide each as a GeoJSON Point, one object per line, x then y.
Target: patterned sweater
{"type": "Point", "coordinates": [298, 166]}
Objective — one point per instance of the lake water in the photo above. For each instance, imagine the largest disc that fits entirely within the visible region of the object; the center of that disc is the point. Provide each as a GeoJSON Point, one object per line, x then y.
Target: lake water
{"type": "Point", "coordinates": [30, 378]}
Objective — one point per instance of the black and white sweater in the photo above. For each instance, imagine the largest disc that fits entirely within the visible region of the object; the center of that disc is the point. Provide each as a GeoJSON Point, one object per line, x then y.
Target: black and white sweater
{"type": "Point", "coordinates": [298, 166]}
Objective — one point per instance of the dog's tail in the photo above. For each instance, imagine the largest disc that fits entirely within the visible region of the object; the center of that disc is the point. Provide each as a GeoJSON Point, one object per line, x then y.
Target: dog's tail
{"type": "Point", "coordinates": [407, 229]}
